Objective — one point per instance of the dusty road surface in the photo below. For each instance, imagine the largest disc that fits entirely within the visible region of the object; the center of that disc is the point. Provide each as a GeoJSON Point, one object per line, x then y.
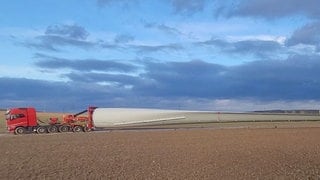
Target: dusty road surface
{"type": "Point", "coordinates": [271, 153]}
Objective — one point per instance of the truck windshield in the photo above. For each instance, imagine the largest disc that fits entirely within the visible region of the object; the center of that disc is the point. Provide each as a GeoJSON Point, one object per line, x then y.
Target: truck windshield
{"type": "Point", "coordinates": [10, 116]}
{"type": "Point", "coordinates": [16, 116]}
{"type": "Point", "coordinates": [7, 114]}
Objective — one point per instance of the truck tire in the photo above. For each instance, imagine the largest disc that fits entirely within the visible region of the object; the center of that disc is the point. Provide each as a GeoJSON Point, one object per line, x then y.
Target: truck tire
{"type": "Point", "coordinates": [53, 129]}
{"type": "Point", "coordinates": [20, 130]}
{"type": "Point", "coordinates": [63, 128]}
{"type": "Point", "coordinates": [86, 129]}
{"type": "Point", "coordinates": [77, 129]}
{"type": "Point", "coordinates": [41, 130]}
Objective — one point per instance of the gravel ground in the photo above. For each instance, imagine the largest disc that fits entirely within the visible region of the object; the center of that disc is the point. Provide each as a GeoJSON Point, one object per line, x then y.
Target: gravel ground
{"type": "Point", "coordinates": [278, 153]}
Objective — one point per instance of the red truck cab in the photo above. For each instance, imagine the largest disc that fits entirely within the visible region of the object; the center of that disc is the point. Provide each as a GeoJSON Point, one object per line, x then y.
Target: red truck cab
{"type": "Point", "coordinates": [20, 119]}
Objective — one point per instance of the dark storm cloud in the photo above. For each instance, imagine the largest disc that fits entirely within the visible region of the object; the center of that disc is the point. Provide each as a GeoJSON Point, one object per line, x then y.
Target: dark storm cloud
{"type": "Point", "coordinates": [184, 7]}
{"type": "Point", "coordinates": [27, 89]}
{"type": "Point", "coordinates": [179, 78]}
{"type": "Point", "coordinates": [123, 38]}
{"type": "Point", "coordinates": [41, 44]}
{"type": "Point", "coordinates": [187, 6]}
{"type": "Point", "coordinates": [108, 2]}
{"type": "Point", "coordinates": [291, 79]}
{"type": "Point", "coordinates": [51, 42]}
{"type": "Point", "coordinates": [117, 79]}
{"type": "Point", "coordinates": [57, 96]}
{"type": "Point", "coordinates": [163, 28]}
{"type": "Point", "coordinates": [260, 48]}
{"type": "Point", "coordinates": [111, 46]}
{"type": "Point", "coordinates": [270, 9]}
{"type": "Point", "coordinates": [57, 36]}
{"type": "Point", "coordinates": [156, 48]}
{"type": "Point", "coordinates": [215, 42]}
{"type": "Point", "coordinates": [308, 35]}
{"type": "Point", "coordinates": [295, 78]}
{"type": "Point", "coordinates": [274, 8]}
{"type": "Point", "coordinates": [70, 31]}
{"type": "Point", "coordinates": [49, 62]}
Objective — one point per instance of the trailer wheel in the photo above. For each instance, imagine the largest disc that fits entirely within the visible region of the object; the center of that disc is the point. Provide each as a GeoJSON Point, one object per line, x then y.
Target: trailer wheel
{"type": "Point", "coordinates": [41, 130]}
{"type": "Point", "coordinates": [64, 128]}
{"type": "Point", "coordinates": [20, 130]}
{"type": "Point", "coordinates": [77, 129]}
{"type": "Point", "coordinates": [86, 129]}
{"type": "Point", "coordinates": [52, 129]}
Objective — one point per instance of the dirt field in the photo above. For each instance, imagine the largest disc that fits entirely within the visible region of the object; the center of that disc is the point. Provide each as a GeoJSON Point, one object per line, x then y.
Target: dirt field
{"type": "Point", "coordinates": [273, 153]}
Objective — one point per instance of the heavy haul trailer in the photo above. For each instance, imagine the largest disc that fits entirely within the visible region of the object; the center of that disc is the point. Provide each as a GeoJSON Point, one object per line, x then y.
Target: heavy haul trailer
{"type": "Point", "coordinates": [24, 120]}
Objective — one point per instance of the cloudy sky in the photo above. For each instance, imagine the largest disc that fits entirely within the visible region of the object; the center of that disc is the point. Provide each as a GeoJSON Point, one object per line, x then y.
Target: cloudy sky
{"type": "Point", "coordinates": [234, 55]}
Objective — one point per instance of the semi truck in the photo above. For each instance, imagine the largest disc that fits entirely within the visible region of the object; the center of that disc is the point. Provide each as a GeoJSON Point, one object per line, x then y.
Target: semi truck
{"type": "Point", "coordinates": [24, 120]}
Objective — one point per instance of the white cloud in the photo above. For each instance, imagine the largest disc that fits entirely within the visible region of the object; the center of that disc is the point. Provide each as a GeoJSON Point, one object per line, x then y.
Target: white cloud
{"type": "Point", "coordinates": [262, 37]}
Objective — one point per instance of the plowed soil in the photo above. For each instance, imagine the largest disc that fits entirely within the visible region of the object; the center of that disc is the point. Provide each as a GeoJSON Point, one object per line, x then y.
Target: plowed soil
{"type": "Point", "coordinates": [270, 153]}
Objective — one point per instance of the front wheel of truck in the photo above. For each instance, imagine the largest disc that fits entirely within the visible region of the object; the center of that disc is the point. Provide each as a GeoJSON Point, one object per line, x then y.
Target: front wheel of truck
{"type": "Point", "coordinates": [20, 130]}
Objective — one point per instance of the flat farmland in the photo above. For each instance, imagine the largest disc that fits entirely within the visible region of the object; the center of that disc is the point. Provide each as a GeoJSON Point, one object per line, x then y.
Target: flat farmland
{"type": "Point", "coordinates": [220, 150]}
{"type": "Point", "coordinates": [240, 153]}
